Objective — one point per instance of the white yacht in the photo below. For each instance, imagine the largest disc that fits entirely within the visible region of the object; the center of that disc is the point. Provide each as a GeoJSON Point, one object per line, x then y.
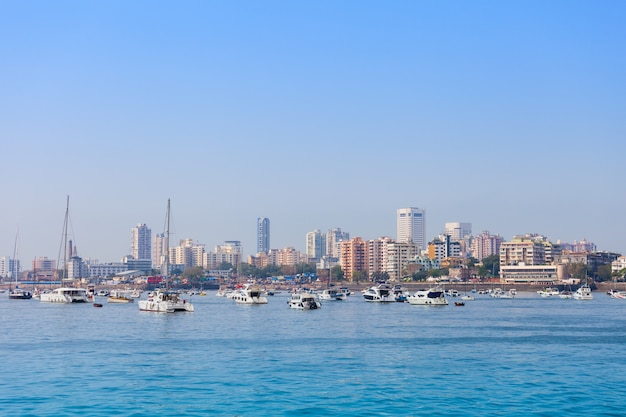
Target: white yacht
{"type": "Point", "coordinates": [65, 295]}
{"type": "Point", "coordinates": [120, 297]}
{"type": "Point", "coordinates": [430, 297]}
{"type": "Point", "coordinates": [165, 301]}
{"type": "Point", "coordinates": [331, 294]}
{"type": "Point", "coordinates": [583, 293]}
{"type": "Point", "coordinates": [548, 292]}
{"type": "Point", "coordinates": [249, 294]}
{"type": "Point", "coordinates": [303, 301]}
{"type": "Point", "coordinates": [381, 293]}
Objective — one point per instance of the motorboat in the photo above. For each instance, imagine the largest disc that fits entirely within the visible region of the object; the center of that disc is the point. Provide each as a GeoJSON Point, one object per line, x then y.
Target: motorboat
{"type": "Point", "coordinates": [548, 292]}
{"type": "Point", "coordinates": [304, 301]}
{"type": "Point", "coordinates": [617, 294]}
{"type": "Point", "coordinates": [249, 294]}
{"type": "Point", "coordinates": [120, 297]}
{"type": "Point", "coordinates": [429, 297]}
{"type": "Point", "coordinates": [565, 294]}
{"type": "Point", "coordinates": [19, 294]}
{"type": "Point", "coordinates": [65, 295]}
{"type": "Point", "coordinates": [331, 294]}
{"type": "Point", "coordinates": [399, 293]}
{"type": "Point", "coordinates": [345, 290]}
{"type": "Point", "coordinates": [467, 297]}
{"type": "Point", "coordinates": [381, 293]}
{"type": "Point", "coordinates": [165, 301]}
{"type": "Point", "coordinates": [583, 293]}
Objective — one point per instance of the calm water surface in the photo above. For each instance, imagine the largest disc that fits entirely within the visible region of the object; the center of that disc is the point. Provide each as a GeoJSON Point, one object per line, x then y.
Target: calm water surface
{"type": "Point", "coordinates": [491, 357]}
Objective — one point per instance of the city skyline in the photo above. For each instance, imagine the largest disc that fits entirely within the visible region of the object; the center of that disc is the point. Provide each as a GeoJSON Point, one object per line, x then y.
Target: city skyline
{"type": "Point", "coordinates": [315, 115]}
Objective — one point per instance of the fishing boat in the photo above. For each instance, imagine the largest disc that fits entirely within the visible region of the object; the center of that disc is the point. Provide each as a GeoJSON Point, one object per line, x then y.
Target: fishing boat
{"type": "Point", "coordinates": [165, 300]}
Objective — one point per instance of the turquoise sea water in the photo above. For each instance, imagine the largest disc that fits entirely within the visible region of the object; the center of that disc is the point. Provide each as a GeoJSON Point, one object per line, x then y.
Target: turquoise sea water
{"type": "Point", "coordinates": [492, 357]}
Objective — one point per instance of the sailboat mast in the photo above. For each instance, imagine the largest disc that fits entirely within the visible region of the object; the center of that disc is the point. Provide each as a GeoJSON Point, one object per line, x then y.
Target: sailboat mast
{"type": "Point", "coordinates": [67, 211]}
{"type": "Point", "coordinates": [167, 246]}
{"type": "Point", "coordinates": [15, 270]}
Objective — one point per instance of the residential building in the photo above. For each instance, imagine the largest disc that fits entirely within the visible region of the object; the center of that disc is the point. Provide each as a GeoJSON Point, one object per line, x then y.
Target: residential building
{"type": "Point", "coordinates": [263, 235]}
{"type": "Point", "coordinates": [141, 242]}
{"type": "Point", "coordinates": [353, 257]}
{"type": "Point", "coordinates": [315, 245]}
{"type": "Point", "coordinates": [398, 256]}
{"type": "Point", "coordinates": [411, 226]}
{"type": "Point", "coordinates": [377, 255]}
{"type": "Point", "coordinates": [485, 245]}
{"type": "Point", "coordinates": [334, 237]}
{"type": "Point", "coordinates": [444, 247]}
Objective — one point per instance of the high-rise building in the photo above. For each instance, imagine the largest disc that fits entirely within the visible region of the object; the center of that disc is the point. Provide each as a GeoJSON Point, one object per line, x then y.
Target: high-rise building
{"type": "Point", "coordinates": [263, 235]}
{"type": "Point", "coordinates": [459, 231]}
{"type": "Point", "coordinates": [411, 226]}
{"type": "Point", "coordinates": [315, 245]}
{"type": "Point", "coordinates": [141, 244]}
{"type": "Point", "coordinates": [334, 237]}
{"type": "Point", "coordinates": [485, 245]}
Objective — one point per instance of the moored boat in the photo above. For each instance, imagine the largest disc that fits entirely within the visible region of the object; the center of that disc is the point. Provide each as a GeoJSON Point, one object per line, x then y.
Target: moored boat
{"type": "Point", "coordinates": [583, 293]}
{"type": "Point", "coordinates": [381, 293]}
{"type": "Point", "coordinates": [429, 297]}
{"type": "Point", "coordinates": [249, 294]}
{"type": "Point", "coordinates": [303, 301]}
{"type": "Point", "coordinates": [331, 294]}
{"type": "Point", "coordinates": [65, 295]}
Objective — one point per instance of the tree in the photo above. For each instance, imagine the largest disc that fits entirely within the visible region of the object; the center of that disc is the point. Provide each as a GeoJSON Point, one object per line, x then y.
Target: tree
{"type": "Point", "coordinates": [193, 273]}
{"type": "Point", "coordinates": [337, 273]}
{"type": "Point", "coordinates": [380, 276]}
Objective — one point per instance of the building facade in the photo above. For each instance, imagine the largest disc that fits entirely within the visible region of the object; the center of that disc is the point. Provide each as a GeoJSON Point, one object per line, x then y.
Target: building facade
{"type": "Point", "coordinates": [263, 235]}
{"type": "Point", "coordinates": [411, 226]}
{"type": "Point", "coordinates": [315, 245]}
{"type": "Point", "coordinates": [141, 242]}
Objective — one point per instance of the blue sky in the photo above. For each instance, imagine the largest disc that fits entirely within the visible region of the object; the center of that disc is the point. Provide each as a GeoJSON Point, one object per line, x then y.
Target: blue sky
{"type": "Point", "coordinates": [316, 114]}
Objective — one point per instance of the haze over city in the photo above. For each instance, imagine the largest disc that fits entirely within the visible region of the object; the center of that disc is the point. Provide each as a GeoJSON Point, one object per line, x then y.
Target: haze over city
{"type": "Point", "coordinates": [315, 114]}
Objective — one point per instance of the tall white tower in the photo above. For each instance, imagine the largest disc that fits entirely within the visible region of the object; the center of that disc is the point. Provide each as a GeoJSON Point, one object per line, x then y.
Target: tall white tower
{"type": "Point", "coordinates": [141, 245]}
{"type": "Point", "coordinates": [411, 226]}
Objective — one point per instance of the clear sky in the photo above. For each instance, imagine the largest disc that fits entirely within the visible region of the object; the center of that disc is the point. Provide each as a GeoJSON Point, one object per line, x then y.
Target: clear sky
{"type": "Point", "coordinates": [510, 115]}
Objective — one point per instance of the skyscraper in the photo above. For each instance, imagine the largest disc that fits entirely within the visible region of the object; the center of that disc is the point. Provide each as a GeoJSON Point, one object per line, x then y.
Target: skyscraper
{"type": "Point", "coordinates": [315, 245]}
{"type": "Point", "coordinates": [263, 235]}
{"type": "Point", "coordinates": [459, 231]}
{"type": "Point", "coordinates": [411, 226]}
{"type": "Point", "coordinates": [141, 244]}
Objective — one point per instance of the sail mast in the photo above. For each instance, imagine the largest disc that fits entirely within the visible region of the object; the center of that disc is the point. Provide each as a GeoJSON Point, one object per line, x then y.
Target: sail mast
{"type": "Point", "coordinates": [167, 246]}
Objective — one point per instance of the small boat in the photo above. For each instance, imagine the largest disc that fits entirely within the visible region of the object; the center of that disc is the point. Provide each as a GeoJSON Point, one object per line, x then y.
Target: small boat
{"type": "Point", "coordinates": [122, 297]}
{"type": "Point", "coordinates": [548, 292]}
{"type": "Point", "coordinates": [583, 293]}
{"type": "Point", "coordinates": [65, 295]}
{"type": "Point", "coordinates": [331, 294]}
{"type": "Point", "coordinates": [97, 305]}
{"type": "Point", "coordinates": [429, 297]}
{"type": "Point", "coordinates": [467, 297]}
{"type": "Point", "coordinates": [19, 294]}
{"type": "Point", "coordinates": [165, 301]}
{"type": "Point", "coordinates": [250, 294]}
{"type": "Point", "coordinates": [381, 293]}
{"type": "Point", "coordinates": [459, 303]}
{"type": "Point", "coordinates": [303, 301]}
